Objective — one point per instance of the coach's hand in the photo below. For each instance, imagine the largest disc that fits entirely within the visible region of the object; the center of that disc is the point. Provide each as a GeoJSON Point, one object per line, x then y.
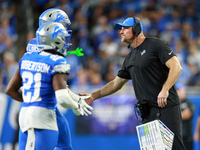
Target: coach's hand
{"type": "Point", "coordinates": [89, 100]}
{"type": "Point", "coordinates": [162, 98]}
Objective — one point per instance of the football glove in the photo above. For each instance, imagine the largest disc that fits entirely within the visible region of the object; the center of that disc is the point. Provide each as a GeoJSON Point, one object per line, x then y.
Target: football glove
{"type": "Point", "coordinates": [84, 108]}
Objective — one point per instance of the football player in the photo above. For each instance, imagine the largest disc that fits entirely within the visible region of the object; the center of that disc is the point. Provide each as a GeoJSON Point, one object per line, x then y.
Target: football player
{"type": "Point", "coordinates": [56, 15]}
{"type": "Point", "coordinates": [64, 138]}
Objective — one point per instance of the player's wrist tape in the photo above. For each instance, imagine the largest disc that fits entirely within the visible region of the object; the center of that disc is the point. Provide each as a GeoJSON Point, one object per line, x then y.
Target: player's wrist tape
{"type": "Point", "coordinates": [65, 100]}
{"type": "Point", "coordinates": [74, 96]}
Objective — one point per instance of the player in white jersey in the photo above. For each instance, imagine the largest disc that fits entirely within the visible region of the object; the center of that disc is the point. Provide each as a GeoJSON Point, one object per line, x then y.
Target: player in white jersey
{"type": "Point", "coordinates": [40, 75]}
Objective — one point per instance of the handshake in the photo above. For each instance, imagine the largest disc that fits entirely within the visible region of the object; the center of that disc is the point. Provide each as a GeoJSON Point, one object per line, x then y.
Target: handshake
{"type": "Point", "coordinates": [84, 108]}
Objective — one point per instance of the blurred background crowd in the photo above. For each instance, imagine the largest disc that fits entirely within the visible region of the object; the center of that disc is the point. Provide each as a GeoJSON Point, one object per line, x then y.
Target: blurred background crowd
{"type": "Point", "coordinates": [176, 21]}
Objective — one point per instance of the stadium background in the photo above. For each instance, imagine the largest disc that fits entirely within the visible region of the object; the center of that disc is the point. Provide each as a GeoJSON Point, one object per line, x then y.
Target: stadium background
{"type": "Point", "coordinates": [112, 125]}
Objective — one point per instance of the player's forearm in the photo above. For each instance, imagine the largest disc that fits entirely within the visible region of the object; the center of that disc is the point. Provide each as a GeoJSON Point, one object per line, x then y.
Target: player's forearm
{"type": "Point", "coordinates": [13, 87]}
{"type": "Point", "coordinates": [173, 75]}
{"type": "Point", "coordinates": [16, 95]}
{"type": "Point", "coordinates": [65, 100]}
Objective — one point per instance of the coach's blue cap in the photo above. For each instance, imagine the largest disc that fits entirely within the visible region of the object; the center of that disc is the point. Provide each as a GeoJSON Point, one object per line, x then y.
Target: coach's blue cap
{"type": "Point", "coordinates": [129, 22]}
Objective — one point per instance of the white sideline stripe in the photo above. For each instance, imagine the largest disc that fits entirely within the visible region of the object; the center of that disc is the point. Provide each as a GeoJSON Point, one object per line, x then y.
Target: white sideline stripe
{"type": "Point", "coordinates": [30, 144]}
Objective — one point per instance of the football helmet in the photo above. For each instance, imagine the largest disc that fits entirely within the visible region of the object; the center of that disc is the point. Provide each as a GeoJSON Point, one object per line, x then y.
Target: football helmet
{"type": "Point", "coordinates": [53, 36]}
{"type": "Point", "coordinates": [54, 15]}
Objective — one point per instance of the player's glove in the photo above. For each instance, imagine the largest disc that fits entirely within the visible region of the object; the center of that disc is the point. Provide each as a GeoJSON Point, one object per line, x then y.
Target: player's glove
{"type": "Point", "coordinates": [84, 108]}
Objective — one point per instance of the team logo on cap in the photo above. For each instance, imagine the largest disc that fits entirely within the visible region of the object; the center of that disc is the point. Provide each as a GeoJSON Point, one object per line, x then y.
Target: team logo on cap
{"type": "Point", "coordinates": [126, 20]}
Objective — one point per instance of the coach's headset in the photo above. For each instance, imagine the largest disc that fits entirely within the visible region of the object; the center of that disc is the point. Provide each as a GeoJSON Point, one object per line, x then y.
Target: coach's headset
{"type": "Point", "coordinates": [136, 29]}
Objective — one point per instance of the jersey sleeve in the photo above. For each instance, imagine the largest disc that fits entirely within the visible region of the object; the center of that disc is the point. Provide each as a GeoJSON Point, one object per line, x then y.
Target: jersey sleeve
{"type": "Point", "coordinates": [33, 47]}
{"type": "Point", "coordinates": [123, 72]}
{"type": "Point", "coordinates": [61, 65]}
{"type": "Point", "coordinates": [164, 51]}
{"type": "Point", "coordinates": [20, 61]}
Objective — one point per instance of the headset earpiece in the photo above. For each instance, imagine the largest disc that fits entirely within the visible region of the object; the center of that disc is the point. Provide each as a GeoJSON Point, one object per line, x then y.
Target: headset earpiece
{"type": "Point", "coordinates": [136, 28]}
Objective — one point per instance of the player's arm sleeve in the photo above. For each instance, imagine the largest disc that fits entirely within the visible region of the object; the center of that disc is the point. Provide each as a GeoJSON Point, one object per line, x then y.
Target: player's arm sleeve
{"type": "Point", "coordinates": [61, 66]}
{"type": "Point", "coordinates": [64, 99]}
{"type": "Point", "coordinates": [32, 45]}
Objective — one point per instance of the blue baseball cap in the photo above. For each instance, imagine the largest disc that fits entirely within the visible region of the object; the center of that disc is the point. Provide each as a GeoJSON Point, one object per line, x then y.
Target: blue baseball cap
{"type": "Point", "coordinates": [129, 22]}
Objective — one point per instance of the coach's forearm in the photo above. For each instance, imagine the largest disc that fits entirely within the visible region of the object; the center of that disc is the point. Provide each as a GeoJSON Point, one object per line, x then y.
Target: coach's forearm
{"type": "Point", "coordinates": [173, 75]}
{"type": "Point", "coordinates": [108, 89]}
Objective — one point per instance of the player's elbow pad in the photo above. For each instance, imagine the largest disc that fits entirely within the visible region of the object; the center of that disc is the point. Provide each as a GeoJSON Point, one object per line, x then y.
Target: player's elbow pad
{"type": "Point", "coordinates": [65, 100]}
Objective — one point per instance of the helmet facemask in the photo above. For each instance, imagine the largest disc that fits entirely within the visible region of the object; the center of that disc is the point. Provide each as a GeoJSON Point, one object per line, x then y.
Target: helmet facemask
{"type": "Point", "coordinates": [62, 44]}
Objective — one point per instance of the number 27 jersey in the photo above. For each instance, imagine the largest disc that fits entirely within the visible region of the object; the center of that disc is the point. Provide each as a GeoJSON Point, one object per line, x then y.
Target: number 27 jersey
{"type": "Point", "coordinates": [37, 71]}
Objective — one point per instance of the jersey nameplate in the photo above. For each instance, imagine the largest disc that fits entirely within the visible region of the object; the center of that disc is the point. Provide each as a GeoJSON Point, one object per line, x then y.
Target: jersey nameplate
{"type": "Point", "coordinates": [35, 66]}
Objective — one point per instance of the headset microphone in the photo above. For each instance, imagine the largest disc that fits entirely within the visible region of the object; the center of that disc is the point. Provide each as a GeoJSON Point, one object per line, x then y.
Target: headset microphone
{"type": "Point", "coordinates": [129, 45]}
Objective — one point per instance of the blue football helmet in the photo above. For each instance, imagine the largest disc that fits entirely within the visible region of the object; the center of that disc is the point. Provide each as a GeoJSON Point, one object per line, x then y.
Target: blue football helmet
{"type": "Point", "coordinates": [54, 15]}
{"type": "Point", "coordinates": [53, 36]}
